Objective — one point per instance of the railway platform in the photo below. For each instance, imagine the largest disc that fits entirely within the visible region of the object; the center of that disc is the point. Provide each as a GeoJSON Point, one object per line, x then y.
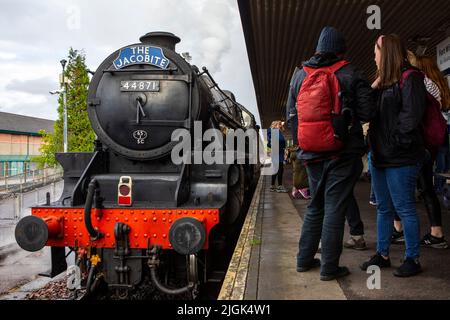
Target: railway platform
{"type": "Point", "coordinates": [263, 266]}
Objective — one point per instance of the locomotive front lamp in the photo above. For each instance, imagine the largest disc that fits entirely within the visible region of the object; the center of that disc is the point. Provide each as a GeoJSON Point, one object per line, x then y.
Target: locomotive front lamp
{"type": "Point", "coordinates": [124, 191]}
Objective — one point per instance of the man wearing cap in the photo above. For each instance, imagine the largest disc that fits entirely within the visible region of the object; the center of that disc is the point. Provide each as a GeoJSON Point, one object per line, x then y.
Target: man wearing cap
{"type": "Point", "coordinates": [333, 175]}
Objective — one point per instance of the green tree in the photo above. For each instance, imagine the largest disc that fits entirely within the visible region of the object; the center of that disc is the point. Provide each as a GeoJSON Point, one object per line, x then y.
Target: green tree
{"type": "Point", "coordinates": [79, 131]}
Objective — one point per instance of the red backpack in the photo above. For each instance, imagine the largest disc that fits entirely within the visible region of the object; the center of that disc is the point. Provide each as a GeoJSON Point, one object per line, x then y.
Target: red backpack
{"type": "Point", "coordinates": [318, 103]}
{"type": "Point", "coordinates": [434, 125]}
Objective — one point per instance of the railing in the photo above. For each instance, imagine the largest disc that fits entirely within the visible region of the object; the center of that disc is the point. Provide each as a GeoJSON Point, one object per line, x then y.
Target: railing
{"type": "Point", "coordinates": [29, 180]}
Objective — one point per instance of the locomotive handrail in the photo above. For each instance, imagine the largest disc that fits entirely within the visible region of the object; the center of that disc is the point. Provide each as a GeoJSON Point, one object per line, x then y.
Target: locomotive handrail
{"type": "Point", "coordinates": [237, 104]}
{"type": "Point", "coordinates": [165, 123]}
{"type": "Point", "coordinates": [232, 121]}
{"type": "Point", "coordinates": [182, 77]}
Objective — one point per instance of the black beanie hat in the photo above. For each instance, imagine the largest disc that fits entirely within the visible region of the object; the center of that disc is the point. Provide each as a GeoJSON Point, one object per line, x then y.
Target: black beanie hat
{"type": "Point", "coordinates": [331, 41]}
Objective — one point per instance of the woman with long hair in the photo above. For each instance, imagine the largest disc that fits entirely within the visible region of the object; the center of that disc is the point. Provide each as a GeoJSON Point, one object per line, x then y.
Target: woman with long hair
{"type": "Point", "coordinates": [434, 81]}
{"type": "Point", "coordinates": [398, 152]}
{"type": "Point", "coordinates": [438, 86]}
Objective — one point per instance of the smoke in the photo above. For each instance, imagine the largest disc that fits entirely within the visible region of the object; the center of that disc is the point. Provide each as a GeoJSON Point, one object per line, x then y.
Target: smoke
{"type": "Point", "coordinates": [216, 25]}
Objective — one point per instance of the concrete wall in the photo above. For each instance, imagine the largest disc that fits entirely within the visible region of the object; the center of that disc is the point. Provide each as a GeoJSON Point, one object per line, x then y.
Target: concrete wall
{"type": "Point", "coordinates": [18, 206]}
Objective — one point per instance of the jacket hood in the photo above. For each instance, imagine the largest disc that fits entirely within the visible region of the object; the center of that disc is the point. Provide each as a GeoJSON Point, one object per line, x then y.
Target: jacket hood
{"type": "Point", "coordinates": [322, 60]}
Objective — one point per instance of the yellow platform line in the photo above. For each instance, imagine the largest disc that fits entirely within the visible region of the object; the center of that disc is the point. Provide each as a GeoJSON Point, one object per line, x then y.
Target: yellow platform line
{"type": "Point", "coordinates": [233, 287]}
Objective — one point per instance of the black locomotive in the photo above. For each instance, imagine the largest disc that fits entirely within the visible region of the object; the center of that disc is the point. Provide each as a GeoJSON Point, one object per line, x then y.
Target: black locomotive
{"type": "Point", "coordinates": [127, 210]}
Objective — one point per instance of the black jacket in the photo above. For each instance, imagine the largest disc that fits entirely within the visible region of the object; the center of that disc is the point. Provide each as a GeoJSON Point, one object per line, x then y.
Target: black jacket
{"type": "Point", "coordinates": [359, 97]}
{"type": "Point", "coordinates": [394, 135]}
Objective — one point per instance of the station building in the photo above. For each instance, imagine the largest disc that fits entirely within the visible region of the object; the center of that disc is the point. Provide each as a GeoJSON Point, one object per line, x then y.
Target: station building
{"type": "Point", "coordinates": [20, 140]}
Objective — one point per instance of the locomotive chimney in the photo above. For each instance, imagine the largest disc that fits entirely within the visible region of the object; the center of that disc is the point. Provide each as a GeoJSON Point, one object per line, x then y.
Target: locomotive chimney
{"type": "Point", "coordinates": [161, 39]}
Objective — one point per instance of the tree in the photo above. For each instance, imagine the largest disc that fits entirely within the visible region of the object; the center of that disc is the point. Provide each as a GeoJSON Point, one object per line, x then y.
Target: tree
{"type": "Point", "coordinates": [79, 131]}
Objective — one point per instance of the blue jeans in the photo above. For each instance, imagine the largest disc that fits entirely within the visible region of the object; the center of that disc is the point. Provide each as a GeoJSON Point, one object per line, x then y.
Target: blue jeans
{"type": "Point", "coordinates": [395, 192]}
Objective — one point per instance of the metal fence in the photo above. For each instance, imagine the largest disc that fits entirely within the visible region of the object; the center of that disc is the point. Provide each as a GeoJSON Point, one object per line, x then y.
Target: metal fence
{"type": "Point", "coordinates": [29, 180]}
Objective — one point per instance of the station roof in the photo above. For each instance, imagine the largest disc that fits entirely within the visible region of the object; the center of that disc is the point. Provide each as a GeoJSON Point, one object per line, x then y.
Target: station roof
{"type": "Point", "coordinates": [23, 125]}
{"type": "Point", "coordinates": [280, 34]}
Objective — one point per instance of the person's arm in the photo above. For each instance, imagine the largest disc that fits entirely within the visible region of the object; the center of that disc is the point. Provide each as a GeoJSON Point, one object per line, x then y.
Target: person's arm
{"type": "Point", "coordinates": [414, 102]}
{"type": "Point", "coordinates": [291, 106]}
{"type": "Point", "coordinates": [366, 107]}
{"type": "Point", "coordinates": [433, 89]}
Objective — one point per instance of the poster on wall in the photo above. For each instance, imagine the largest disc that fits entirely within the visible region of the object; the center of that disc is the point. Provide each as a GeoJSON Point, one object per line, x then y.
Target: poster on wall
{"type": "Point", "coordinates": [443, 55]}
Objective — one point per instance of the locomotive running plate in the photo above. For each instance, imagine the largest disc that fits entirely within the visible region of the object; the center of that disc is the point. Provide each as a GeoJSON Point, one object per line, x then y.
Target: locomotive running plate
{"type": "Point", "coordinates": [139, 86]}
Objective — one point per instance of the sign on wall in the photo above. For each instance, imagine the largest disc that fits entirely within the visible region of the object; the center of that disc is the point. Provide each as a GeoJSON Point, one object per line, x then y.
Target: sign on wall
{"type": "Point", "coordinates": [443, 54]}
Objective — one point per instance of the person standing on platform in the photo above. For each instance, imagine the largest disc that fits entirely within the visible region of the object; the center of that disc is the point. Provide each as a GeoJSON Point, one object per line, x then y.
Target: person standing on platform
{"type": "Point", "coordinates": [436, 86]}
{"type": "Point", "coordinates": [333, 97]}
{"type": "Point", "coordinates": [277, 158]}
{"type": "Point", "coordinates": [300, 176]}
{"type": "Point", "coordinates": [398, 152]}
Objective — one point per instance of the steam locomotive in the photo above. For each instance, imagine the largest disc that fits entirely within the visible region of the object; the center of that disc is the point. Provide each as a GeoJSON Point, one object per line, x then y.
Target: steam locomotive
{"type": "Point", "coordinates": [127, 210]}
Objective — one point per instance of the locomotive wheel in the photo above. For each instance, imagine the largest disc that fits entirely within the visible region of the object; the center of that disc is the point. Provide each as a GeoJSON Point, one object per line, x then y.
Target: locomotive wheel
{"type": "Point", "coordinates": [235, 198]}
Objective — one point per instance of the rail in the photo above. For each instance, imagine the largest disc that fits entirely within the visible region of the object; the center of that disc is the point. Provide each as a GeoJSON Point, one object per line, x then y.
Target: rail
{"type": "Point", "coordinates": [29, 180]}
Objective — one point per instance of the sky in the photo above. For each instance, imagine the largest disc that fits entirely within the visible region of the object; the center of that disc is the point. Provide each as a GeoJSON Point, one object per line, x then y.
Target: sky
{"type": "Point", "coordinates": [36, 35]}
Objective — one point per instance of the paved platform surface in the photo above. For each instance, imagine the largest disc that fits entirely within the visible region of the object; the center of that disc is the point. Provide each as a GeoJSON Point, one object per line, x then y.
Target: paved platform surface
{"type": "Point", "coordinates": [272, 270]}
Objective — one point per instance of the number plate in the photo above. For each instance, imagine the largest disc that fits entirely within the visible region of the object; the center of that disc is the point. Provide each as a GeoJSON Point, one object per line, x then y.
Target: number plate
{"type": "Point", "coordinates": [142, 85]}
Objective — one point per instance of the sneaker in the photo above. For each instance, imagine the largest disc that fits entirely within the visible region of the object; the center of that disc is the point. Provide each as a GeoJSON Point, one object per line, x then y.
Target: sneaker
{"type": "Point", "coordinates": [314, 264]}
{"type": "Point", "coordinates": [409, 268]}
{"type": "Point", "coordinates": [281, 189]}
{"type": "Point", "coordinates": [376, 260]}
{"type": "Point", "coordinates": [296, 193]}
{"type": "Point", "coordinates": [434, 242]}
{"type": "Point", "coordinates": [341, 272]}
{"type": "Point", "coordinates": [357, 243]}
{"type": "Point", "coordinates": [305, 193]}
{"type": "Point", "coordinates": [273, 188]}
{"type": "Point", "coordinates": [373, 203]}
{"type": "Point", "coordinates": [397, 237]}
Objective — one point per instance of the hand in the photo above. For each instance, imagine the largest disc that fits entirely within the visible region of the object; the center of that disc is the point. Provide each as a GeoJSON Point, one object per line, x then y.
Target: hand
{"type": "Point", "coordinates": [376, 83]}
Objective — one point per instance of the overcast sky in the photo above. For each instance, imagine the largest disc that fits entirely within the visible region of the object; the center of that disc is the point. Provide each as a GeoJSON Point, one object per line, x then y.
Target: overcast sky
{"type": "Point", "coordinates": [36, 35]}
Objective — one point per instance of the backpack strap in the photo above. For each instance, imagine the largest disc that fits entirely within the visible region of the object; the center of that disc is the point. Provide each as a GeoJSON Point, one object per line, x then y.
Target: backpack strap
{"type": "Point", "coordinates": [330, 69]}
{"type": "Point", "coordinates": [337, 66]}
{"type": "Point", "coordinates": [406, 74]}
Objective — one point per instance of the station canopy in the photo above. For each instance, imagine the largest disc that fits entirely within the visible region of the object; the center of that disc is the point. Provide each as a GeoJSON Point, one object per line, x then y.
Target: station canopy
{"type": "Point", "coordinates": [281, 34]}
